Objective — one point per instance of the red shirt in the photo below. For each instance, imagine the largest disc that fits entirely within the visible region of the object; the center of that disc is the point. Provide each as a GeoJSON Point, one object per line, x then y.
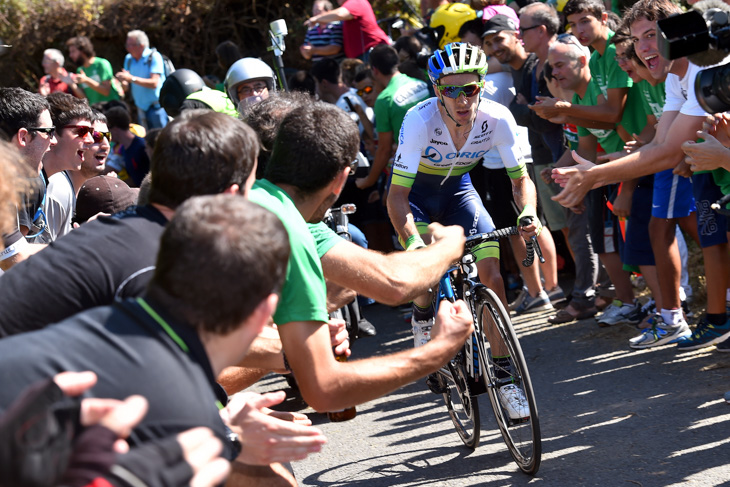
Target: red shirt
{"type": "Point", "coordinates": [55, 85]}
{"type": "Point", "coordinates": [362, 32]}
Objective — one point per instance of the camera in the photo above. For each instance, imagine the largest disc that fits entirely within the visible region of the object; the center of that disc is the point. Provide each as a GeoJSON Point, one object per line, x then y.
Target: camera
{"type": "Point", "coordinates": [702, 35]}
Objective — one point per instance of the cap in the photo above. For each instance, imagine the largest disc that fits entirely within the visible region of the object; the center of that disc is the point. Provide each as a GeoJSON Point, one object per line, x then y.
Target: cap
{"type": "Point", "coordinates": [498, 23]}
{"type": "Point", "coordinates": [105, 194]}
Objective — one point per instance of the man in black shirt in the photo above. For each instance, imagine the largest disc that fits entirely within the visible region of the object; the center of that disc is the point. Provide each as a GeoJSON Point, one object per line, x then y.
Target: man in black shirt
{"type": "Point", "coordinates": [201, 153]}
{"type": "Point", "coordinates": [220, 265]}
{"type": "Point", "coordinates": [25, 121]}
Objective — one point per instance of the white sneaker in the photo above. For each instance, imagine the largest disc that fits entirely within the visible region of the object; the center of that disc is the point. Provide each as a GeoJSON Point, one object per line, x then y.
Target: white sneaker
{"type": "Point", "coordinates": [513, 400]}
{"type": "Point", "coordinates": [421, 331]}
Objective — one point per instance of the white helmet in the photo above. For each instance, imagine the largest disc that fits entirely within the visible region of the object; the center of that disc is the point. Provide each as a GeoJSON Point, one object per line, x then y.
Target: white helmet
{"type": "Point", "coordinates": [248, 69]}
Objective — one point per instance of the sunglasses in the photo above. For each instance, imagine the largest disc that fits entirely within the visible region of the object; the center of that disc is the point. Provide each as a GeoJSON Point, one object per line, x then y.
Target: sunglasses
{"type": "Point", "coordinates": [49, 131]}
{"type": "Point", "coordinates": [525, 29]}
{"type": "Point", "coordinates": [365, 91]}
{"type": "Point", "coordinates": [453, 91]}
{"type": "Point", "coordinates": [99, 135]}
{"type": "Point", "coordinates": [79, 130]}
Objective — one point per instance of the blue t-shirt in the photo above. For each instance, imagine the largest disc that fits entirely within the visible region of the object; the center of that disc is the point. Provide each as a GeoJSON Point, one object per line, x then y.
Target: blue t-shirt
{"type": "Point", "coordinates": [150, 63]}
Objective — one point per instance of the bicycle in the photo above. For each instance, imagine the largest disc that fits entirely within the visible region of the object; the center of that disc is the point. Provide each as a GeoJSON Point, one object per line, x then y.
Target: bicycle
{"type": "Point", "coordinates": [472, 371]}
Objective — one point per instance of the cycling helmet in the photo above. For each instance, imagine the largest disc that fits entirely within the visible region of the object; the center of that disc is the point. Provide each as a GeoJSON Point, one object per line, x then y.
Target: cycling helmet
{"type": "Point", "coordinates": [457, 58]}
{"type": "Point", "coordinates": [448, 19]}
{"type": "Point", "coordinates": [177, 87]}
{"type": "Point", "coordinates": [247, 69]}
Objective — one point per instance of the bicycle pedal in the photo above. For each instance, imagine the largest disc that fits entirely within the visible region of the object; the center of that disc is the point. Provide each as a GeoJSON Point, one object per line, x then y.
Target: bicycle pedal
{"type": "Point", "coordinates": [436, 384]}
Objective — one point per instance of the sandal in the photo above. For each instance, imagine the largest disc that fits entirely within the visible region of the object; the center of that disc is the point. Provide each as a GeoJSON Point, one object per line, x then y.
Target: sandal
{"type": "Point", "coordinates": [565, 316]}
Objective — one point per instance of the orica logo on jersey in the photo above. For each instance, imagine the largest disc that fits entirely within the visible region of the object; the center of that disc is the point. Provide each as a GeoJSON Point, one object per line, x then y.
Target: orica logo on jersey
{"type": "Point", "coordinates": [435, 156]}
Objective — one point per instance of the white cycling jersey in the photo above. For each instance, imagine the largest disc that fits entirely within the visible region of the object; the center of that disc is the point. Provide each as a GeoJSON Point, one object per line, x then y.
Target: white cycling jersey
{"type": "Point", "coordinates": [427, 156]}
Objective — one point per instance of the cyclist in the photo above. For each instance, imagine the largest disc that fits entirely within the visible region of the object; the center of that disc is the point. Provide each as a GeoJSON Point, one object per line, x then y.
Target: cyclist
{"type": "Point", "coordinates": [441, 139]}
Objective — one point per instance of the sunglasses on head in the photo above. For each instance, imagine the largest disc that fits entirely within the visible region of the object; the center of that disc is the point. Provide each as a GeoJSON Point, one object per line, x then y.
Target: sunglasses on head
{"type": "Point", "coordinates": [453, 91]}
{"type": "Point", "coordinates": [79, 130]}
{"type": "Point", "coordinates": [49, 131]}
{"type": "Point", "coordinates": [365, 91]}
{"type": "Point", "coordinates": [99, 135]}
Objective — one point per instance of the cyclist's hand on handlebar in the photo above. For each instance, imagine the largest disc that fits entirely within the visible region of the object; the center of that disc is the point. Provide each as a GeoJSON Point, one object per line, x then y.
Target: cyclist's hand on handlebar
{"type": "Point", "coordinates": [265, 438]}
{"type": "Point", "coordinates": [453, 324]}
{"type": "Point", "coordinates": [532, 229]}
{"type": "Point", "coordinates": [339, 336]}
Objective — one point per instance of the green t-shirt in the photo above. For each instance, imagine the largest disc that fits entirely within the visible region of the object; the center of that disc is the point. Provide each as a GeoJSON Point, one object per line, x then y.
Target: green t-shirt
{"type": "Point", "coordinates": [402, 93]}
{"type": "Point", "coordinates": [634, 118]}
{"type": "Point", "coordinates": [324, 237]}
{"type": "Point", "coordinates": [304, 295]}
{"type": "Point", "coordinates": [609, 139]}
{"type": "Point", "coordinates": [653, 97]}
{"type": "Point", "coordinates": [100, 70]}
{"type": "Point", "coordinates": [605, 71]}
{"type": "Point", "coordinates": [722, 179]}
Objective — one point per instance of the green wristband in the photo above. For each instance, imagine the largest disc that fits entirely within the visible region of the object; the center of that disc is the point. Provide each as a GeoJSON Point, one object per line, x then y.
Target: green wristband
{"type": "Point", "coordinates": [414, 242]}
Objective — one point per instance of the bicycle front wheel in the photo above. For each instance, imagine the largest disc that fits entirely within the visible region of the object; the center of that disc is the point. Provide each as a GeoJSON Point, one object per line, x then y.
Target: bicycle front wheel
{"type": "Point", "coordinates": [522, 435]}
{"type": "Point", "coordinates": [463, 407]}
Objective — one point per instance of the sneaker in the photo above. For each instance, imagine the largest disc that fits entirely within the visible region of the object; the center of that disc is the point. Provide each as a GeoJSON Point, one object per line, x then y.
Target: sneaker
{"type": "Point", "coordinates": [724, 346]}
{"type": "Point", "coordinates": [705, 335]}
{"type": "Point", "coordinates": [518, 300]}
{"type": "Point", "coordinates": [365, 328]}
{"type": "Point", "coordinates": [421, 331]}
{"type": "Point", "coordinates": [618, 312]}
{"type": "Point", "coordinates": [514, 402]}
{"type": "Point", "coordinates": [556, 294]}
{"type": "Point", "coordinates": [660, 333]}
{"type": "Point", "coordinates": [541, 302]}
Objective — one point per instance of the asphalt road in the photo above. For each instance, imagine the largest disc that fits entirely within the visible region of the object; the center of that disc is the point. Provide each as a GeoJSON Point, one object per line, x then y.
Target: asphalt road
{"type": "Point", "coordinates": [610, 416]}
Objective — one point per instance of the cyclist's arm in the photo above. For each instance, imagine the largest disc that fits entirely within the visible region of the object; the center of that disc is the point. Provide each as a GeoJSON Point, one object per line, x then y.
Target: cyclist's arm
{"type": "Point", "coordinates": [400, 213]}
{"type": "Point", "coordinates": [397, 277]}
{"type": "Point", "coordinates": [328, 385]}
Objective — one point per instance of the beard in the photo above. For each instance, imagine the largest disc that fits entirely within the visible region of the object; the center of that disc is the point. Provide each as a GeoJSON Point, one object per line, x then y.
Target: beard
{"type": "Point", "coordinates": [319, 213]}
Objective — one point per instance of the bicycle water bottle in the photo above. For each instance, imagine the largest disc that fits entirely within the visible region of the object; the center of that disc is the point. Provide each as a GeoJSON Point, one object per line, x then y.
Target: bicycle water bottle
{"type": "Point", "coordinates": [343, 414]}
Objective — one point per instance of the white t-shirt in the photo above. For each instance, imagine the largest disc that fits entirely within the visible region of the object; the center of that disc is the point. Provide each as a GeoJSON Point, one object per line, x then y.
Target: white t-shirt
{"type": "Point", "coordinates": [355, 99]}
{"type": "Point", "coordinates": [681, 94]}
{"type": "Point", "coordinates": [60, 204]}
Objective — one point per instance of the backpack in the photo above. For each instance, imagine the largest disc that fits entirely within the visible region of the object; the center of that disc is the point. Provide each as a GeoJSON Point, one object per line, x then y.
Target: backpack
{"type": "Point", "coordinates": [167, 65]}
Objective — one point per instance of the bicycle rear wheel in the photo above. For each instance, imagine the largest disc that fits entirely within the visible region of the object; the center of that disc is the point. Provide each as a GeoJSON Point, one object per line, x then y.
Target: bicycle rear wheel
{"type": "Point", "coordinates": [522, 436]}
{"type": "Point", "coordinates": [463, 407]}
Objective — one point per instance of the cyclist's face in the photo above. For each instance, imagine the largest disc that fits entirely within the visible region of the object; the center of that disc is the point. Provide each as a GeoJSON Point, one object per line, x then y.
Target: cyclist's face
{"type": "Point", "coordinates": [462, 109]}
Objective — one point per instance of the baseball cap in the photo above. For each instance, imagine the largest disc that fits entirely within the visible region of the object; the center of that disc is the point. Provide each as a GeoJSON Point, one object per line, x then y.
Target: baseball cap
{"type": "Point", "coordinates": [498, 23]}
{"type": "Point", "coordinates": [105, 194]}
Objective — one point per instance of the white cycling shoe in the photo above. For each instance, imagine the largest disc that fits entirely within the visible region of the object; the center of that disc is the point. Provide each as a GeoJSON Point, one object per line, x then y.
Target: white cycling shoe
{"type": "Point", "coordinates": [513, 400]}
{"type": "Point", "coordinates": [421, 331]}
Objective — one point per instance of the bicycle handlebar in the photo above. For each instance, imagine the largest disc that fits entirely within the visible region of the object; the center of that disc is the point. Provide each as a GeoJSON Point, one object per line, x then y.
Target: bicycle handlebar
{"type": "Point", "coordinates": [532, 246]}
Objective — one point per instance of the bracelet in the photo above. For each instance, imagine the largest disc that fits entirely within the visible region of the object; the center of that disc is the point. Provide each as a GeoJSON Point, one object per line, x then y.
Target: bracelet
{"type": "Point", "coordinates": [133, 80]}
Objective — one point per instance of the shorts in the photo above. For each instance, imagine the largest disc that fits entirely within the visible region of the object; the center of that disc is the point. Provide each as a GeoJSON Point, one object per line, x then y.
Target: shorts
{"type": "Point", "coordinates": [711, 226]}
{"type": "Point", "coordinates": [602, 223]}
{"type": "Point", "coordinates": [672, 196]}
{"type": "Point", "coordinates": [454, 204]}
{"type": "Point", "coordinates": [637, 247]}
{"type": "Point", "coordinates": [498, 198]}
{"type": "Point", "coordinates": [555, 214]}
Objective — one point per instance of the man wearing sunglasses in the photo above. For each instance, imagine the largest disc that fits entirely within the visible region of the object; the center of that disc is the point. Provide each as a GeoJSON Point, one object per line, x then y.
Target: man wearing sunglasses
{"type": "Point", "coordinates": [94, 163]}
{"type": "Point", "coordinates": [72, 118]}
{"type": "Point", "coordinates": [25, 120]}
{"type": "Point", "coordinates": [440, 141]}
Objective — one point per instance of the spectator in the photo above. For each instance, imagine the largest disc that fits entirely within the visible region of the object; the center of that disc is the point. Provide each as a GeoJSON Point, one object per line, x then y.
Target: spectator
{"type": "Point", "coordinates": [448, 19]}
{"type": "Point", "coordinates": [227, 53]}
{"type": "Point", "coordinates": [94, 77]}
{"type": "Point", "coordinates": [114, 256]}
{"type": "Point", "coordinates": [94, 163]}
{"type": "Point", "coordinates": [322, 41]}
{"type": "Point", "coordinates": [501, 41]}
{"type": "Point", "coordinates": [178, 334]}
{"type": "Point", "coordinates": [185, 90]}
{"type": "Point", "coordinates": [365, 85]}
{"type": "Point", "coordinates": [130, 147]}
{"type": "Point", "coordinates": [25, 118]}
{"type": "Point", "coordinates": [398, 93]}
{"type": "Point", "coordinates": [103, 194]}
{"type": "Point", "coordinates": [248, 81]}
{"type": "Point", "coordinates": [486, 9]}
{"type": "Point", "coordinates": [349, 68]}
{"type": "Point", "coordinates": [304, 82]}
{"type": "Point", "coordinates": [471, 32]}
{"type": "Point", "coordinates": [409, 49]}
{"type": "Point", "coordinates": [144, 73]}
{"type": "Point", "coordinates": [72, 118]}
{"type": "Point", "coordinates": [360, 30]}
{"type": "Point", "coordinates": [56, 78]}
